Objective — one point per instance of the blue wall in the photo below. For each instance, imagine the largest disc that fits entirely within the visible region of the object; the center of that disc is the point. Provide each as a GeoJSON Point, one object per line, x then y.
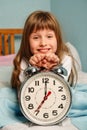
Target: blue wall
{"type": "Point", "coordinates": [72, 15]}
{"type": "Point", "coordinates": [14, 12]}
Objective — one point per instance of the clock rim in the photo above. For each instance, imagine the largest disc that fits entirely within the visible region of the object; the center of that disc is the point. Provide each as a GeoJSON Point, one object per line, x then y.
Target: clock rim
{"type": "Point", "coordinates": [70, 95]}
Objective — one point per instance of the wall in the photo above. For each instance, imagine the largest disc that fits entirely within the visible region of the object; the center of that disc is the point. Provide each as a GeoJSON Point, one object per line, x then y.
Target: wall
{"type": "Point", "coordinates": [73, 19]}
{"type": "Point", "coordinates": [14, 12]}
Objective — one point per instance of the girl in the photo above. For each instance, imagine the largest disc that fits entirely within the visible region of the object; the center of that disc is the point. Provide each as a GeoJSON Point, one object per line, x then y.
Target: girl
{"type": "Point", "coordinates": [42, 46]}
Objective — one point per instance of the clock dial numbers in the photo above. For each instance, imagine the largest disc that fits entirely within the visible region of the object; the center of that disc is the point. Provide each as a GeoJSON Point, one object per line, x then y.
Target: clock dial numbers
{"type": "Point", "coordinates": [36, 82]}
{"type": "Point", "coordinates": [45, 98]}
{"type": "Point", "coordinates": [61, 106]}
{"type": "Point", "coordinates": [30, 106]}
{"type": "Point", "coordinates": [46, 115]}
{"type": "Point", "coordinates": [27, 98]}
{"type": "Point", "coordinates": [54, 82]}
{"type": "Point", "coordinates": [45, 80]}
{"type": "Point", "coordinates": [54, 112]}
{"type": "Point", "coordinates": [63, 97]}
{"type": "Point", "coordinates": [31, 89]}
{"type": "Point", "coordinates": [60, 89]}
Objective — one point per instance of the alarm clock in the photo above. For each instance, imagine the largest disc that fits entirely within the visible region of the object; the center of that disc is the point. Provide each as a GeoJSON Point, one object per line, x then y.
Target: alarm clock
{"type": "Point", "coordinates": [45, 97]}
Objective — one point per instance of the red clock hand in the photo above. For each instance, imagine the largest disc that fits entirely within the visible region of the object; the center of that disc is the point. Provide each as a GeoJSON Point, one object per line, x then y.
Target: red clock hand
{"type": "Point", "coordinates": [42, 102]}
{"type": "Point", "coordinates": [45, 97]}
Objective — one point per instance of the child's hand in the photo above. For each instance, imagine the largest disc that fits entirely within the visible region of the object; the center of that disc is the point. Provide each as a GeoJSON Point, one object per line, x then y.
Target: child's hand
{"type": "Point", "coordinates": [36, 60]}
{"type": "Point", "coordinates": [50, 61]}
{"type": "Point", "coordinates": [47, 61]}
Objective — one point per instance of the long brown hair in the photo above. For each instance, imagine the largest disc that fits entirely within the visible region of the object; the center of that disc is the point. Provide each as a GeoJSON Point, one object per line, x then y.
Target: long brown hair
{"type": "Point", "coordinates": [36, 21]}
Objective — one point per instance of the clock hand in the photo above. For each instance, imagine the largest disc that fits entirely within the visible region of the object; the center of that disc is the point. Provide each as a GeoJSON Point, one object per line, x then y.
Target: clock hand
{"type": "Point", "coordinates": [42, 102]}
{"type": "Point", "coordinates": [45, 97]}
{"type": "Point", "coordinates": [45, 89]}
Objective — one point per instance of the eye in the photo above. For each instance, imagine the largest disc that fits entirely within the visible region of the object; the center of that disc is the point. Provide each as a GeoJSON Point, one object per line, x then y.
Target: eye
{"type": "Point", "coordinates": [50, 36]}
{"type": "Point", "coordinates": [36, 37]}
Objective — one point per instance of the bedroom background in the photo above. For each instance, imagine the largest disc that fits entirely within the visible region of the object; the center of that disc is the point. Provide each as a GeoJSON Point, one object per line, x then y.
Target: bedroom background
{"type": "Point", "coordinates": [71, 14]}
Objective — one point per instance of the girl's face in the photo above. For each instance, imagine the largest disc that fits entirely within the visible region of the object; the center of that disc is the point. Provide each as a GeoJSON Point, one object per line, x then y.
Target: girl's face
{"type": "Point", "coordinates": [43, 41]}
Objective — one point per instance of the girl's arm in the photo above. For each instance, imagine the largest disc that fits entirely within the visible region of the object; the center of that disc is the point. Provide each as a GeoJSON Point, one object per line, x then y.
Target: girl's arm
{"type": "Point", "coordinates": [67, 64]}
{"type": "Point", "coordinates": [22, 75]}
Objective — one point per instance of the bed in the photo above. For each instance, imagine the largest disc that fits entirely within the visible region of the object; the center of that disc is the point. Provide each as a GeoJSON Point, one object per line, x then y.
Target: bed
{"type": "Point", "coordinates": [10, 116]}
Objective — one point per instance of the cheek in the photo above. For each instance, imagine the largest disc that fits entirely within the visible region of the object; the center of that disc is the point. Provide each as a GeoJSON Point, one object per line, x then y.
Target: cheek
{"type": "Point", "coordinates": [55, 47]}
{"type": "Point", "coordinates": [32, 49]}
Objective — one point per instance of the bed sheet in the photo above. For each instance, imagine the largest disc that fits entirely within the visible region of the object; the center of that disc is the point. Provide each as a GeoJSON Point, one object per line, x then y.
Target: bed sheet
{"type": "Point", "coordinates": [25, 126]}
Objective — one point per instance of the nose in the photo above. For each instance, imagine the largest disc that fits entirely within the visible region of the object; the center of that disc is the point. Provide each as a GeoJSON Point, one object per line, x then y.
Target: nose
{"type": "Point", "coordinates": [43, 42]}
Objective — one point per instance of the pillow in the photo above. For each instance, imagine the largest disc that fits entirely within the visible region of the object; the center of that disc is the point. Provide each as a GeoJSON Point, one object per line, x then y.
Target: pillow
{"type": "Point", "coordinates": [6, 67]}
{"type": "Point", "coordinates": [6, 60]}
{"type": "Point", "coordinates": [5, 75]}
{"type": "Point", "coordinates": [82, 77]}
{"type": "Point", "coordinates": [75, 55]}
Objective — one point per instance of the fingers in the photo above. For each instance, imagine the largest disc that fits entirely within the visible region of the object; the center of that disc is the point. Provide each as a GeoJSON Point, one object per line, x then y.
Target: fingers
{"type": "Point", "coordinates": [47, 61]}
{"type": "Point", "coordinates": [36, 59]}
{"type": "Point", "coordinates": [49, 65]}
{"type": "Point", "coordinates": [50, 61]}
{"type": "Point", "coordinates": [51, 57]}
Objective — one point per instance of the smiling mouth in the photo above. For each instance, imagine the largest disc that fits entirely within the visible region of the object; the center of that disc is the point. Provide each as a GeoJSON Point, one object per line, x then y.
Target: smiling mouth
{"type": "Point", "coordinates": [44, 50]}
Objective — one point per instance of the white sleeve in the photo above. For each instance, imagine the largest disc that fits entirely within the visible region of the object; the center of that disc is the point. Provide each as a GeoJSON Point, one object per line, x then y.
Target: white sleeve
{"type": "Point", "coordinates": [67, 64]}
{"type": "Point", "coordinates": [23, 67]}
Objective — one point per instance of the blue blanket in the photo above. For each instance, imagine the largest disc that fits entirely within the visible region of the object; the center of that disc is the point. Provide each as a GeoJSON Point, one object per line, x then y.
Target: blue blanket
{"type": "Point", "coordinates": [10, 111]}
{"type": "Point", "coordinates": [9, 107]}
{"type": "Point", "coordinates": [78, 111]}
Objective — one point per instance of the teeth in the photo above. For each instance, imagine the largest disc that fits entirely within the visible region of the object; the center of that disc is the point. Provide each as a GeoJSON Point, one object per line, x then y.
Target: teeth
{"type": "Point", "coordinates": [44, 50]}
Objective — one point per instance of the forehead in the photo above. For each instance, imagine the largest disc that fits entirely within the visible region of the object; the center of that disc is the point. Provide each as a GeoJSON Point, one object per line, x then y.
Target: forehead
{"type": "Point", "coordinates": [47, 30]}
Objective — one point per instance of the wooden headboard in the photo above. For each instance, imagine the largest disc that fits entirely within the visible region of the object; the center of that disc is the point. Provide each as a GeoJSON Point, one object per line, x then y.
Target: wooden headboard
{"type": "Point", "coordinates": [7, 39]}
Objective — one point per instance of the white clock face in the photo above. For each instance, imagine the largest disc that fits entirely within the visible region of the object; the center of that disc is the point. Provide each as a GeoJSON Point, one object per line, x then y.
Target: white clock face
{"type": "Point", "coordinates": [45, 98]}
